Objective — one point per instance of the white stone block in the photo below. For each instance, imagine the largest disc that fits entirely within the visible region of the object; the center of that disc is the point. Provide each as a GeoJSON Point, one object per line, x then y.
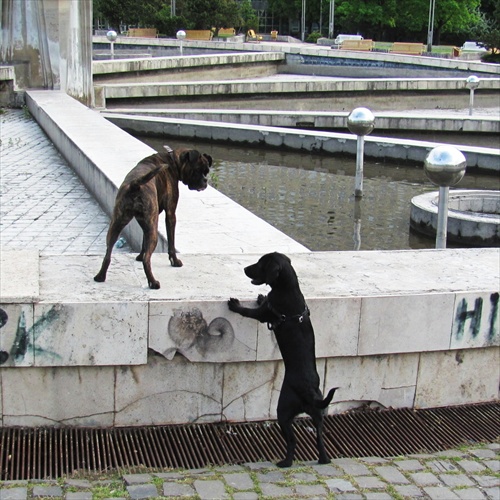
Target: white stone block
{"type": "Point", "coordinates": [201, 331]}
{"type": "Point", "coordinates": [83, 334]}
{"type": "Point", "coordinates": [35, 397]}
{"type": "Point", "coordinates": [16, 335]}
{"type": "Point", "coordinates": [458, 377]}
{"type": "Point", "coordinates": [168, 392]}
{"type": "Point", "coordinates": [387, 380]}
{"type": "Point", "coordinates": [19, 276]}
{"type": "Point", "coordinates": [476, 320]}
{"type": "Point", "coordinates": [407, 323]}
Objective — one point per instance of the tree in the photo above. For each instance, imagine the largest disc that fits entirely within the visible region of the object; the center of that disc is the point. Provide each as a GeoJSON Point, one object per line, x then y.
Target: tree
{"type": "Point", "coordinates": [208, 14]}
{"type": "Point", "coordinates": [487, 33]}
{"type": "Point", "coordinates": [131, 12]}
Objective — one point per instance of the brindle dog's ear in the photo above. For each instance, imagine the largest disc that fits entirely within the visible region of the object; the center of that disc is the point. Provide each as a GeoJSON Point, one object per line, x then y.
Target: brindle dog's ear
{"type": "Point", "coordinates": [190, 156]}
{"type": "Point", "coordinates": [209, 159]}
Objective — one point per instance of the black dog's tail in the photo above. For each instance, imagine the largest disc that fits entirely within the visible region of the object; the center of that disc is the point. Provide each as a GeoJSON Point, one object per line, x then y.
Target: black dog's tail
{"type": "Point", "coordinates": [322, 404]}
{"type": "Point", "coordinates": [137, 183]}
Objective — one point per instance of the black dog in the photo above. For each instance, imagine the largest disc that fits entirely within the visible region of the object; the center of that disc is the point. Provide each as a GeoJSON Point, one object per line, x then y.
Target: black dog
{"type": "Point", "coordinates": [149, 188]}
{"type": "Point", "coordinates": [286, 313]}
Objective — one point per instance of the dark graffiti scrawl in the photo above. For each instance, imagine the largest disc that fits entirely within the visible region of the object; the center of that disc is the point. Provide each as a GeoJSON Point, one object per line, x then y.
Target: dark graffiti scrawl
{"type": "Point", "coordinates": [22, 343]}
{"type": "Point", "coordinates": [471, 317]}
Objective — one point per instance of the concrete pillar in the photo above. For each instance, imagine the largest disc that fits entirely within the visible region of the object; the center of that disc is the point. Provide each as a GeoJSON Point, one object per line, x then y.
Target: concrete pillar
{"type": "Point", "coordinates": [49, 43]}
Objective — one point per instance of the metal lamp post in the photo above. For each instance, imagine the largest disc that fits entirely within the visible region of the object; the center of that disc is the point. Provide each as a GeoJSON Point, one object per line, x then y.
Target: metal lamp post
{"type": "Point", "coordinates": [444, 166]}
{"type": "Point", "coordinates": [360, 122]}
{"type": "Point", "coordinates": [331, 22]}
{"type": "Point", "coordinates": [112, 36]}
{"type": "Point", "coordinates": [430, 28]}
{"type": "Point", "coordinates": [181, 34]}
{"type": "Point", "coordinates": [472, 83]}
{"type": "Point", "coordinates": [303, 20]}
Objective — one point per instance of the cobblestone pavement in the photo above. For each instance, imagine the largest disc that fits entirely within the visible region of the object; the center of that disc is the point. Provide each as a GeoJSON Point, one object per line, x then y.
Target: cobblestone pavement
{"type": "Point", "coordinates": [43, 204]}
{"type": "Point", "coordinates": [467, 474]}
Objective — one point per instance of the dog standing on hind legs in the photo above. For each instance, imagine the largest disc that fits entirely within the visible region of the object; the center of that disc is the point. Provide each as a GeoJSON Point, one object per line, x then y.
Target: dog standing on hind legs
{"type": "Point", "coordinates": [286, 313]}
{"type": "Point", "coordinates": [150, 188]}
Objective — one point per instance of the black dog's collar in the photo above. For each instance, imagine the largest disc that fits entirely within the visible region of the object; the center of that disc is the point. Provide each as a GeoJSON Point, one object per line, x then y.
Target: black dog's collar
{"type": "Point", "coordinates": [281, 318]}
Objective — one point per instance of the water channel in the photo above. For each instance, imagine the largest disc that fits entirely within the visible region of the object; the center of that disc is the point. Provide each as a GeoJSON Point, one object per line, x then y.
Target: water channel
{"type": "Point", "coordinates": [310, 196]}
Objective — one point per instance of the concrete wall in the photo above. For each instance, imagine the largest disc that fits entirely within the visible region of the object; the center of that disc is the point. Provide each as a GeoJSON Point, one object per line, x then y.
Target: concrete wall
{"type": "Point", "coordinates": [49, 43]}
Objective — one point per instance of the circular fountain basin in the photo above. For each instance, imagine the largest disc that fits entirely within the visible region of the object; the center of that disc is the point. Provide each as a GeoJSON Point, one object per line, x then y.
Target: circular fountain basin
{"type": "Point", "coordinates": [473, 216]}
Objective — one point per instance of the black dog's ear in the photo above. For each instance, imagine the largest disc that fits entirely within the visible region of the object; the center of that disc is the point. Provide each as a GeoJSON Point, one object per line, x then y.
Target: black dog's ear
{"type": "Point", "coordinates": [209, 159]}
{"type": "Point", "coordinates": [272, 271]}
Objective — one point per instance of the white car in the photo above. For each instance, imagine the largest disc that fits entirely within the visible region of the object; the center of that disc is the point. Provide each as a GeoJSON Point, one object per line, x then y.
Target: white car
{"type": "Point", "coordinates": [473, 47]}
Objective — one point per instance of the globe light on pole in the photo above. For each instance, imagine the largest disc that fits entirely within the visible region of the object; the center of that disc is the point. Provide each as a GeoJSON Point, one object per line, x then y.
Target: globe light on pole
{"type": "Point", "coordinates": [360, 122]}
{"type": "Point", "coordinates": [472, 83]}
{"type": "Point", "coordinates": [444, 166]}
{"type": "Point", "coordinates": [181, 34]}
{"type": "Point", "coordinates": [112, 36]}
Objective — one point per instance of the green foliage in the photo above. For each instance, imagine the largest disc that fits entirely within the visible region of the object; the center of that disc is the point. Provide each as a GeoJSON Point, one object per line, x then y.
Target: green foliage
{"type": "Point", "coordinates": [313, 37]}
{"type": "Point", "coordinates": [208, 14]}
{"type": "Point", "coordinates": [487, 33]}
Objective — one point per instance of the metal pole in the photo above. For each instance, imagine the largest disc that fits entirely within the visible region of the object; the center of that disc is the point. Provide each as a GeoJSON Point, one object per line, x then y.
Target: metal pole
{"type": "Point", "coordinates": [331, 23]}
{"type": "Point", "coordinates": [172, 8]}
{"type": "Point", "coordinates": [430, 29]}
{"type": "Point", "coordinates": [303, 21]}
{"type": "Point", "coordinates": [442, 221]}
{"type": "Point", "coordinates": [358, 186]}
{"type": "Point", "coordinates": [471, 101]}
{"type": "Point", "coordinates": [357, 224]}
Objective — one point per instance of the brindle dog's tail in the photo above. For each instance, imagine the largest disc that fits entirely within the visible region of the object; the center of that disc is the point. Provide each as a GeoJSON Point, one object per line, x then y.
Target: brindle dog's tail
{"type": "Point", "coordinates": [322, 404]}
{"type": "Point", "coordinates": [136, 184]}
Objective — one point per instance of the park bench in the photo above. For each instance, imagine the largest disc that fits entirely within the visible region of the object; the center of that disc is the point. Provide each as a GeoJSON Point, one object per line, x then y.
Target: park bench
{"type": "Point", "coordinates": [227, 32]}
{"type": "Point", "coordinates": [199, 35]}
{"type": "Point", "coordinates": [413, 49]}
{"type": "Point", "coordinates": [363, 45]}
{"type": "Point", "coordinates": [143, 32]}
{"type": "Point", "coordinates": [251, 36]}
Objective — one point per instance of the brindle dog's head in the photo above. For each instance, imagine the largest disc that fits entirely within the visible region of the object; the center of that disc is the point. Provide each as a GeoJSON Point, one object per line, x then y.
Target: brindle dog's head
{"type": "Point", "coordinates": [270, 269]}
{"type": "Point", "coordinates": [194, 168]}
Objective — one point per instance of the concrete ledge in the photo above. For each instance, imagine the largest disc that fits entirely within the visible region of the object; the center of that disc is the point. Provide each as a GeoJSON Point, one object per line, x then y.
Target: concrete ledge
{"type": "Point", "coordinates": [444, 121]}
{"type": "Point", "coordinates": [117, 340]}
{"type": "Point", "coordinates": [102, 154]}
{"type": "Point", "coordinates": [308, 140]}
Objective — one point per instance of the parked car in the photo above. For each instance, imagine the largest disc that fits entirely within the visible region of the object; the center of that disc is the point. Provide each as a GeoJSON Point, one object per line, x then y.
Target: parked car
{"type": "Point", "coordinates": [472, 47]}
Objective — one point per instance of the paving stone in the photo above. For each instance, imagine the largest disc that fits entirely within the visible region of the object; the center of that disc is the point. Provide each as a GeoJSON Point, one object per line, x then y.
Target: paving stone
{"type": "Point", "coordinates": [231, 468]}
{"type": "Point", "coordinates": [79, 495]}
{"type": "Point", "coordinates": [377, 496]}
{"type": "Point", "coordinates": [78, 483]}
{"type": "Point", "coordinates": [374, 460]}
{"type": "Point", "coordinates": [210, 490]}
{"type": "Point", "coordinates": [20, 493]}
{"type": "Point", "coordinates": [339, 485]}
{"type": "Point", "coordinates": [140, 491]}
{"type": "Point", "coordinates": [239, 480]}
{"type": "Point", "coordinates": [327, 470]}
{"type": "Point", "coordinates": [370, 482]}
{"type": "Point", "coordinates": [275, 491]}
{"type": "Point", "coordinates": [493, 465]}
{"type": "Point", "coordinates": [349, 496]}
{"type": "Point", "coordinates": [470, 466]}
{"type": "Point", "coordinates": [450, 454]}
{"type": "Point", "coordinates": [310, 490]}
{"type": "Point", "coordinates": [351, 467]}
{"type": "Point", "coordinates": [492, 493]}
{"type": "Point", "coordinates": [305, 477]}
{"type": "Point", "coordinates": [493, 446]}
{"type": "Point", "coordinates": [130, 479]}
{"type": "Point", "coordinates": [168, 476]}
{"type": "Point", "coordinates": [245, 495]}
{"type": "Point", "coordinates": [260, 465]}
{"type": "Point", "coordinates": [409, 465]}
{"type": "Point", "coordinates": [411, 491]}
{"type": "Point", "coordinates": [172, 489]}
{"type": "Point", "coordinates": [483, 453]}
{"type": "Point", "coordinates": [391, 475]}
{"type": "Point", "coordinates": [469, 494]}
{"type": "Point", "coordinates": [437, 493]}
{"type": "Point", "coordinates": [424, 479]}
{"type": "Point", "coordinates": [270, 477]}
{"type": "Point", "coordinates": [47, 491]}
{"type": "Point", "coordinates": [441, 466]}
{"type": "Point", "coordinates": [456, 480]}
{"type": "Point", "coordinates": [487, 481]}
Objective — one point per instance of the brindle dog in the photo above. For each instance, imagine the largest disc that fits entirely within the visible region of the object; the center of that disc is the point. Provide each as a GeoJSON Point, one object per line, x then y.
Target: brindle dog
{"type": "Point", "coordinates": [286, 313]}
{"type": "Point", "coordinates": [149, 188]}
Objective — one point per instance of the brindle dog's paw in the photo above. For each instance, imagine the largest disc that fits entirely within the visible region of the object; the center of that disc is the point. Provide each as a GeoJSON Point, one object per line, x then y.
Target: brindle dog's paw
{"type": "Point", "coordinates": [284, 463]}
{"type": "Point", "coordinates": [154, 285]}
{"type": "Point", "coordinates": [260, 299]}
{"type": "Point", "coordinates": [175, 262]}
{"type": "Point", "coordinates": [233, 304]}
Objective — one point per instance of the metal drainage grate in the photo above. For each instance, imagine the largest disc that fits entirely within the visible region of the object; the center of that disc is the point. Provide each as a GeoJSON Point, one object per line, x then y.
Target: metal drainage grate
{"type": "Point", "coordinates": [45, 453]}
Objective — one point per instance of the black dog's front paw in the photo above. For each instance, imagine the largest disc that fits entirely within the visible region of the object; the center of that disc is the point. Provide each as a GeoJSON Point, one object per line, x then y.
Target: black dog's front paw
{"type": "Point", "coordinates": [260, 299]}
{"type": "Point", "coordinates": [233, 304]}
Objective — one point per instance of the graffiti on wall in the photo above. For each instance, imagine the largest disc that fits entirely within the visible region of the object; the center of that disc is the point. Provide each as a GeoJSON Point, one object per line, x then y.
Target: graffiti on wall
{"type": "Point", "coordinates": [25, 338]}
{"type": "Point", "coordinates": [476, 317]}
